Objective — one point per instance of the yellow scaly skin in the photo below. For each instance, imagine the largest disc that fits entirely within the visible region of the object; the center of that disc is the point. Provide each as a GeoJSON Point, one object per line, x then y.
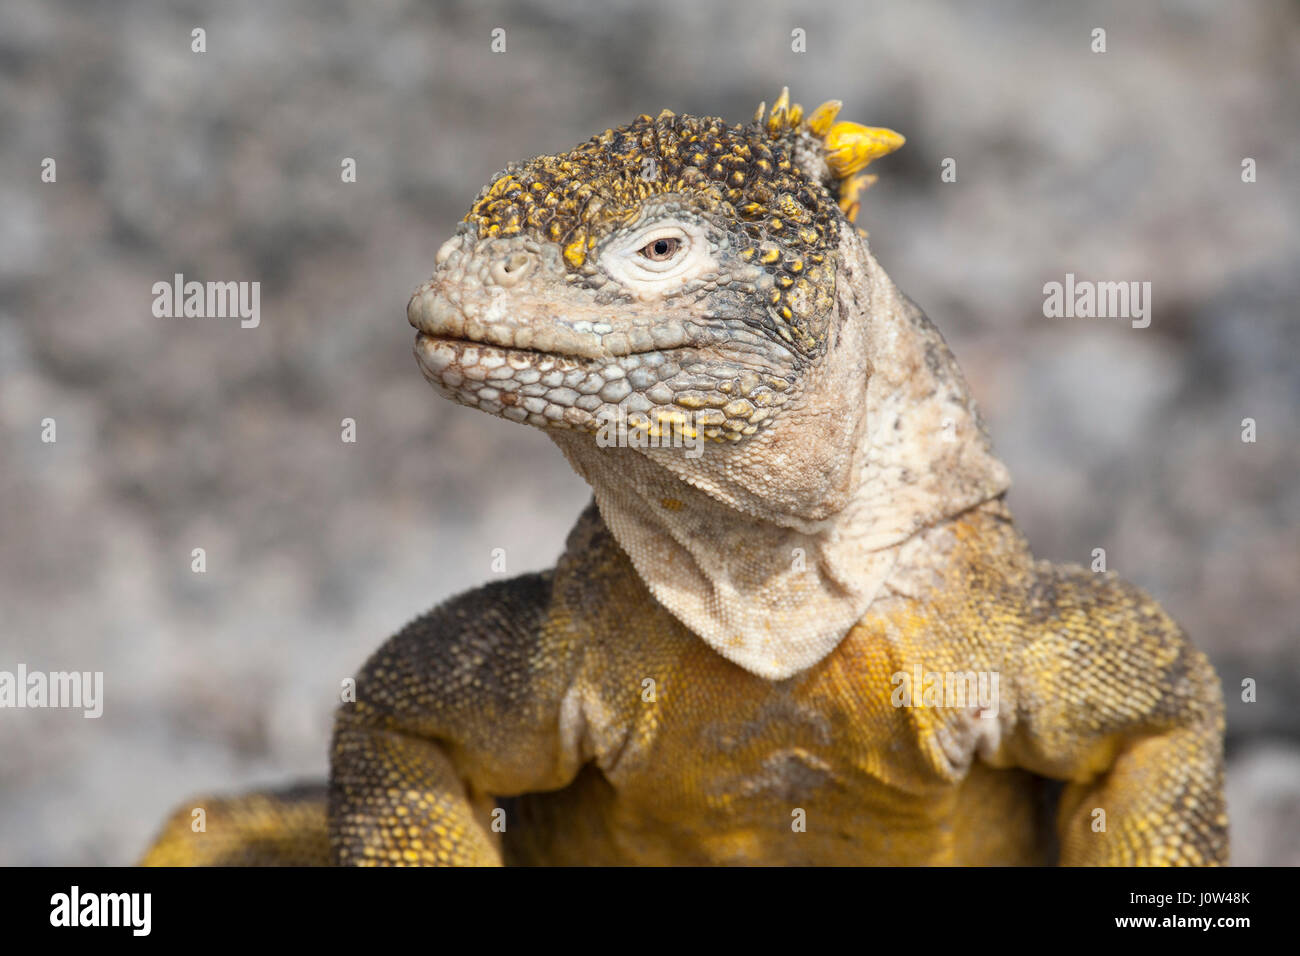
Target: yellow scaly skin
{"type": "Point", "coordinates": [629, 706]}
{"type": "Point", "coordinates": [286, 827]}
{"type": "Point", "coordinates": [713, 770]}
{"type": "Point", "coordinates": [470, 700]}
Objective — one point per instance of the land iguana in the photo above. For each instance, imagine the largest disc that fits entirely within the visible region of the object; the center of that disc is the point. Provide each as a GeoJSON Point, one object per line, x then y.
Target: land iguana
{"type": "Point", "coordinates": [773, 635]}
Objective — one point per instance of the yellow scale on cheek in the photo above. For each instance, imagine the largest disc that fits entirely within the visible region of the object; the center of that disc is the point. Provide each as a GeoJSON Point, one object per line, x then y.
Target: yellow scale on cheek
{"type": "Point", "coordinates": [575, 253]}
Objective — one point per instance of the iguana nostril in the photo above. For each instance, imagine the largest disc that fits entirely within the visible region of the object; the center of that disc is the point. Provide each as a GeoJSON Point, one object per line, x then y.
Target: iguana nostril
{"type": "Point", "coordinates": [508, 271]}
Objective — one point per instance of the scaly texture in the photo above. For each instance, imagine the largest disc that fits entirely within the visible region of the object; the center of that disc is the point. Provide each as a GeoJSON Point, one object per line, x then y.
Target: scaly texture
{"type": "Point", "coordinates": [797, 625]}
{"type": "Point", "coordinates": [278, 828]}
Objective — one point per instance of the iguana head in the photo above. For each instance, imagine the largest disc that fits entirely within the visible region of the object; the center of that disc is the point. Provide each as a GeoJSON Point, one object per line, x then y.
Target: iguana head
{"type": "Point", "coordinates": [696, 280]}
{"type": "Point", "coordinates": [678, 271]}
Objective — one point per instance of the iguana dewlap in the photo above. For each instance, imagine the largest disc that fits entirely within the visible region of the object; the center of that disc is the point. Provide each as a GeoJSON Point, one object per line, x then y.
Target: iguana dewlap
{"type": "Point", "coordinates": [797, 625]}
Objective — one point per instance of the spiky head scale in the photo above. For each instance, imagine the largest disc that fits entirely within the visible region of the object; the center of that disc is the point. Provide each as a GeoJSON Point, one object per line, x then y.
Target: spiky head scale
{"type": "Point", "coordinates": [780, 185]}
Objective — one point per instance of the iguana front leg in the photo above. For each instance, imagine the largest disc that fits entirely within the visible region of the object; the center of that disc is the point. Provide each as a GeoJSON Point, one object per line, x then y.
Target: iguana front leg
{"type": "Point", "coordinates": [398, 799]}
{"type": "Point", "coordinates": [463, 704]}
{"type": "Point", "coordinates": [1113, 699]}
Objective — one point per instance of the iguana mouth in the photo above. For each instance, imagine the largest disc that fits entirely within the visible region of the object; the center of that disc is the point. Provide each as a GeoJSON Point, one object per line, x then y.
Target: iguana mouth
{"type": "Point", "coordinates": [549, 372]}
{"type": "Point", "coordinates": [559, 373]}
{"type": "Point", "coordinates": [548, 389]}
{"type": "Point", "coordinates": [439, 316]}
{"type": "Point", "coordinates": [427, 342]}
{"type": "Point", "coordinates": [462, 343]}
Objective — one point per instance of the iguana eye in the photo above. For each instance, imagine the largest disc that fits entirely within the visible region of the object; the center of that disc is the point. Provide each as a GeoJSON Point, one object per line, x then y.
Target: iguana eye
{"type": "Point", "coordinates": [661, 250]}
{"type": "Point", "coordinates": [659, 257]}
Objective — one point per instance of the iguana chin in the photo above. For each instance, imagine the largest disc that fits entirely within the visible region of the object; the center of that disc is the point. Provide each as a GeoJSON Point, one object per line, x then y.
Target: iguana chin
{"type": "Point", "coordinates": [732, 661]}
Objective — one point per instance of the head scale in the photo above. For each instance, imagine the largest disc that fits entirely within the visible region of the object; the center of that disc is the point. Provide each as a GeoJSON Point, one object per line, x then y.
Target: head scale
{"type": "Point", "coordinates": [780, 183]}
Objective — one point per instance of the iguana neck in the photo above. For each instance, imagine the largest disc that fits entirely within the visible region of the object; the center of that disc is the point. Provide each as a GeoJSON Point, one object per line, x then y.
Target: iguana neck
{"type": "Point", "coordinates": [771, 549]}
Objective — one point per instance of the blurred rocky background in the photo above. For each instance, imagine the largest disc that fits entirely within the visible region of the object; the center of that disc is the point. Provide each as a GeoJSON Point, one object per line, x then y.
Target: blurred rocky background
{"type": "Point", "coordinates": [176, 434]}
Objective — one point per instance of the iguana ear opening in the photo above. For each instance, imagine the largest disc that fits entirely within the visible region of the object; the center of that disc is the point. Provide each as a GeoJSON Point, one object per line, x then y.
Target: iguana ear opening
{"type": "Point", "coordinates": [840, 150]}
